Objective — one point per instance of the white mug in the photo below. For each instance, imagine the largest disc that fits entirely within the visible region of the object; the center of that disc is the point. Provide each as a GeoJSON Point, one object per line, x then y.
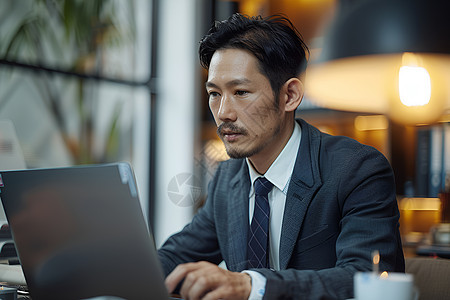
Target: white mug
{"type": "Point", "coordinates": [396, 286]}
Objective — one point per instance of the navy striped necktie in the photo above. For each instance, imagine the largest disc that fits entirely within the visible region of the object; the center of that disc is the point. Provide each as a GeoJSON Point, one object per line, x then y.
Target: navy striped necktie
{"type": "Point", "coordinates": [258, 232]}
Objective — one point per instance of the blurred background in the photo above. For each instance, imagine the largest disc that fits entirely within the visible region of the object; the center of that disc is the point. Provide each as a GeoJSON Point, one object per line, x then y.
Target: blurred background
{"type": "Point", "coordinates": [87, 82]}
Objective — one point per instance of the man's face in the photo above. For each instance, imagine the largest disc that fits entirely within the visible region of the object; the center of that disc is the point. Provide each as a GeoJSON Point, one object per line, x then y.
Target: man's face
{"type": "Point", "coordinates": [242, 102]}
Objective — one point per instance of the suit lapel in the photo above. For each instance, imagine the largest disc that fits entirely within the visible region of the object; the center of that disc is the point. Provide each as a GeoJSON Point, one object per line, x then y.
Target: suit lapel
{"type": "Point", "coordinates": [239, 188]}
{"type": "Point", "coordinates": [305, 181]}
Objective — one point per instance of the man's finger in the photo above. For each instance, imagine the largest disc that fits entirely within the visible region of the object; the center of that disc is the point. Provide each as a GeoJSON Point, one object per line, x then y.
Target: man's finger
{"type": "Point", "coordinates": [200, 280]}
{"type": "Point", "coordinates": [196, 285]}
{"type": "Point", "coordinates": [177, 275]}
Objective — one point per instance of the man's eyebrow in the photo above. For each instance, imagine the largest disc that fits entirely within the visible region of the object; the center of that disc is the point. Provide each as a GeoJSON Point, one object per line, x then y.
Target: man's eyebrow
{"type": "Point", "coordinates": [229, 83]}
{"type": "Point", "coordinates": [210, 84]}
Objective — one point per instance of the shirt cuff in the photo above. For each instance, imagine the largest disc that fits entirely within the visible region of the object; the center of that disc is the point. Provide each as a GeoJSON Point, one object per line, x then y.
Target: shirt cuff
{"type": "Point", "coordinates": [258, 285]}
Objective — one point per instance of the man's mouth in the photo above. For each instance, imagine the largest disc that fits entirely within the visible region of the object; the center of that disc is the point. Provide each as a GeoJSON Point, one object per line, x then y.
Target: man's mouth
{"type": "Point", "coordinates": [230, 132]}
{"type": "Point", "coordinates": [231, 137]}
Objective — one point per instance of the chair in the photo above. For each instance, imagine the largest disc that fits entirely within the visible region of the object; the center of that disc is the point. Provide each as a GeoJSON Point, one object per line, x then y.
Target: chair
{"type": "Point", "coordinates": [431, 276]}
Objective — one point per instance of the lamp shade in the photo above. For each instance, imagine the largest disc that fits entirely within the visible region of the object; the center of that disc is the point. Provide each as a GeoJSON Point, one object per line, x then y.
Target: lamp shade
{"type": "Point", "coordinates": [386, 56]}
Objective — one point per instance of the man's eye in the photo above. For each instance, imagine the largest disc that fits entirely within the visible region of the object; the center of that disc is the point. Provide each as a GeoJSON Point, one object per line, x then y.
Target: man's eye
{"type": "Point", "coordinates": [213, 94]}
{"type": "Point", "coordinates": [241, 93]}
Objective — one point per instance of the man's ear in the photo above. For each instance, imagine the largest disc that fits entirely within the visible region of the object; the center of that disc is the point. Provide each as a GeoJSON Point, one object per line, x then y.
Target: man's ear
{"type": "Point", "coordinates": [293, 94]}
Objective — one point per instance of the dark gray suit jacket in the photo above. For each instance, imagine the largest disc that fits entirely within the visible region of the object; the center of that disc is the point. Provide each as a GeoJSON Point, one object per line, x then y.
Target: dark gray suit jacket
{"type": "Point", "coordinates": [340, 206]}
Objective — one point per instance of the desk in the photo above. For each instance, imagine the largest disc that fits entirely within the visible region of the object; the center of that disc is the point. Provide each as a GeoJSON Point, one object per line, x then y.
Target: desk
{"type": "Point", "coordinates": [433, 250]}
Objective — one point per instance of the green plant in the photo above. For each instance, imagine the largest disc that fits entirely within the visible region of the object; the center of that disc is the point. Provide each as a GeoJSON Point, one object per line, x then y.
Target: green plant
{"type": "Point", "coordinates": [70, 35]}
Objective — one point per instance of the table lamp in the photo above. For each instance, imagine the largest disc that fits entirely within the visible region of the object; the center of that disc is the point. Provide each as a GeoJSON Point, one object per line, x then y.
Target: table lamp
{"type": "Point", "coordinates": [387, 57]}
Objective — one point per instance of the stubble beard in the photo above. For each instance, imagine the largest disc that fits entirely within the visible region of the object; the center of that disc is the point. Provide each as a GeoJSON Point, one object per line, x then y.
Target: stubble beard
{"type": "Point", "coordinates": [248, 150]}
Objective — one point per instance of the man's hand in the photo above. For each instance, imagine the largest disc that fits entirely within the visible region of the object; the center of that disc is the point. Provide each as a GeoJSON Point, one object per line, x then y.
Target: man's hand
{"type": "Point", "coordinates": [206, 281]}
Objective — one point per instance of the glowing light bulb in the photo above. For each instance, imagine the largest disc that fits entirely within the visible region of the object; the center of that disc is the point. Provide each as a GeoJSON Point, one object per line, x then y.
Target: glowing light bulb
{"type": "Point", "coordinates": [414, 86]}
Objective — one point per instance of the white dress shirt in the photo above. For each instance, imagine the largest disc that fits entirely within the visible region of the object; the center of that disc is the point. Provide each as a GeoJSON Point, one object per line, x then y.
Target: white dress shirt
{"type": "Point", "coordinates": [279, 174]}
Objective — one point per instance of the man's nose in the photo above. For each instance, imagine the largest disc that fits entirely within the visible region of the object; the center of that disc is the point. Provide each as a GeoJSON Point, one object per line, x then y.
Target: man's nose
{"type": "Point", "coordinates": [227, 110]}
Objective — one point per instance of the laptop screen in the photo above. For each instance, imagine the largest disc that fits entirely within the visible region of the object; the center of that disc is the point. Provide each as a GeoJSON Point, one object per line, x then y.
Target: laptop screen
{"type": "Point", "coordinates": [80, 233]}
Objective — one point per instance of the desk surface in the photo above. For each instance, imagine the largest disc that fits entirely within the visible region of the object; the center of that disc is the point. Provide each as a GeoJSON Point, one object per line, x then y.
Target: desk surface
{"type": "Point", "coordinates": [433, 250]}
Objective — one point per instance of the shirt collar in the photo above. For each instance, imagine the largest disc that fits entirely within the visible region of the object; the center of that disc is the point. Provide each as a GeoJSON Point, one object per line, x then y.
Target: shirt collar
{"type": "Point", "coordinates": [279, 173]}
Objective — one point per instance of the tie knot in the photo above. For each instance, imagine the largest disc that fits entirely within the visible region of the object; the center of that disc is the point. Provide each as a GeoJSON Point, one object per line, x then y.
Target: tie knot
{"type": "Point", "coordinates": [262, 186]}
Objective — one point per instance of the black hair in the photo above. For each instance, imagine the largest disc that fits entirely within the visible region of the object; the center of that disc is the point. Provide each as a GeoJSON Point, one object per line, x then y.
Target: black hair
{"type": "Point", "coordinates": [274, 41]}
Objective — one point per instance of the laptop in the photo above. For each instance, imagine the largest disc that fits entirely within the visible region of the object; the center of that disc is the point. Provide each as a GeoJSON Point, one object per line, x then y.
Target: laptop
{"type": "Point", "coordinates": [80, 233]}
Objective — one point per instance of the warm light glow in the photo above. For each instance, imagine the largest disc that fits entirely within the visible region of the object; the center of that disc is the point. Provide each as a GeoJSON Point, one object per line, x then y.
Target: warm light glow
{"type": "Point", "coordinates": [414, 86]}
{"type": "Point", "coordinates": [251, 7]}
{"type": "Point", "coordinates": [376, 259]}
{"type": "Point", "coordinates": [420, 204]}
{"type": "Point", "coordinates": [418, 216]}
{"type": "Point", "coordinates": [370, 84]}
{"type": "Point", "coordinates": [377, 122]}
{"type": "Point", "coordinates": [384, 275]}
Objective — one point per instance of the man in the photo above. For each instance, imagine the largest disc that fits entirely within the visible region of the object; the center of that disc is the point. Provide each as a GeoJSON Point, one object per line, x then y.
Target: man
{"type": "Point", "coordinates": [330, 202]}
